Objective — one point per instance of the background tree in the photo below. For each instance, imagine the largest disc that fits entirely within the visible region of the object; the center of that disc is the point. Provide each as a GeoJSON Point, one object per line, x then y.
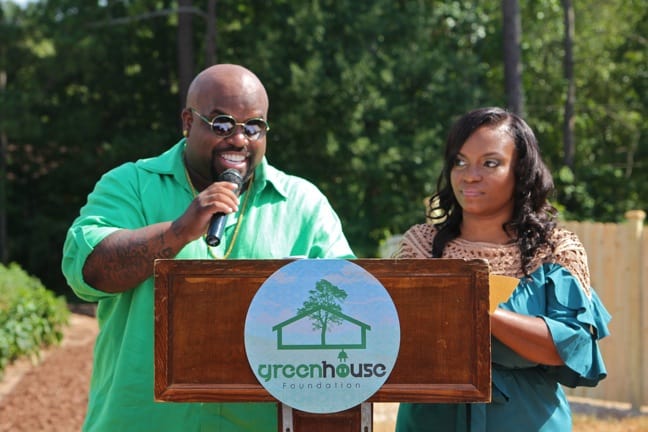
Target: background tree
{"type": "Point", "coordinates": [361, 97]}
{"type": "Point", "coordinates": [81, 97]}
{"type": "Point", "coordinates": [570, 99]}
{"type": "Point", "coordinates": [5, 31]}
{"type": "Point", "coordinates": [512, 28]}
{"type": "Point", "coordinates": [185, 49]}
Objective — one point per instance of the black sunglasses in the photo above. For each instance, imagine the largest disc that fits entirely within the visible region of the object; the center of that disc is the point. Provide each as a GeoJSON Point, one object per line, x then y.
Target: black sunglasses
{"type": "Point", "coordinates": [225, 125]}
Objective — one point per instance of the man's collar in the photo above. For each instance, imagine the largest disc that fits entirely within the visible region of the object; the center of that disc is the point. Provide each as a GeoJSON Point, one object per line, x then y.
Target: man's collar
{"type": "Point", "coordinates": [171, 162]}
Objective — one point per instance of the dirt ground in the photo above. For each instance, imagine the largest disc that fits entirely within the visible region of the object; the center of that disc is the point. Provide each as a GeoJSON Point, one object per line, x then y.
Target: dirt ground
{"type": "Point", "coordinates": [51, 395]}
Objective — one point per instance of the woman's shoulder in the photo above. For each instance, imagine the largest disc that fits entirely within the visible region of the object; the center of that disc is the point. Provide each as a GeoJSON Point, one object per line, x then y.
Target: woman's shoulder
{"type": "Point", "coordinates": [566, 244]}
{"type": "Point", "coordinates": [563, 236]}
{"type": "Point", "coordinates": [422, 229]}
{"type": "Point", "coordinates": [570, 253]}
{"type": "Point", "coordinates": [416, 242]}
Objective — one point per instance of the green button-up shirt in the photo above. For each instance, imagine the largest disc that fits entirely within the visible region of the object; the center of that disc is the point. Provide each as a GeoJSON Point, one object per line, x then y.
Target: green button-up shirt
{"type": "Point", "coordinates": [284, 216]}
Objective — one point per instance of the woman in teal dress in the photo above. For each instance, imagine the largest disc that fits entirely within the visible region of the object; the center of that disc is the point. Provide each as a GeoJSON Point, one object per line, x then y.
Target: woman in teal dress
{"type": "Point", "coordinates": [492, 203]}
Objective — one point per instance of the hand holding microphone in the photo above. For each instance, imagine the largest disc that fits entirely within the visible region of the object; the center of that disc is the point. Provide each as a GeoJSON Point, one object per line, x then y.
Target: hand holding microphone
{"type": "Point", "coordinates": [217, 224]}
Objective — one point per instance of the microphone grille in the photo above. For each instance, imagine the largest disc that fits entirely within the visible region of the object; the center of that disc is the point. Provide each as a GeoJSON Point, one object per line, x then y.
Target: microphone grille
{"type": "Point", "coordinates": [233, 176]}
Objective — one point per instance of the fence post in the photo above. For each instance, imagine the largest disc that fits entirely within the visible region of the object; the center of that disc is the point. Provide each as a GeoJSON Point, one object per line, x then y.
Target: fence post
{"type": "Point", "coordinates": [635, 219]}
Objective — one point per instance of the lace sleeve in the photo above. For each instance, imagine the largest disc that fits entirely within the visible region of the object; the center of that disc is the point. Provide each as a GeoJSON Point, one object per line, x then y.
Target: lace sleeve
{"type": "Point", "coordinates": [571, 254]}
{"type": "Point", "coordinates": [416, 242]}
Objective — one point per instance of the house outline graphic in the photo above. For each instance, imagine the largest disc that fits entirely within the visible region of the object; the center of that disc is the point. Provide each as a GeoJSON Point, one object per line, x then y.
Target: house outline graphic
{"type": "Point", "coordinates": [363, 329]}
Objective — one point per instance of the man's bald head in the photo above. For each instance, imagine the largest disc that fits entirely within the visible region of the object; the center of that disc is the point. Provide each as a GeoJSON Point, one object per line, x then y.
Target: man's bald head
{"type": "Point", "coordinates": [226, 81]}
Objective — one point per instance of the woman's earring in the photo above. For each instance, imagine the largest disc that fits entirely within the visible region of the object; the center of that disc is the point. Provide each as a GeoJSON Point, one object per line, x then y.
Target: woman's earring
{"type": "Point", "coordinates": [185, 133]}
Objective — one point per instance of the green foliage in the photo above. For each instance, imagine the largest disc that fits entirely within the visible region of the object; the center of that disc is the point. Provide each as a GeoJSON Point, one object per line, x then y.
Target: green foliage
{"type": "Point", "coordinates": [609, 176]}
{"type": "Point", "coordinates": [83, 95]}
{"type": "Point", "coordinates": [31, 317]}
{"type": "Point", "coordinates": [362, 95]}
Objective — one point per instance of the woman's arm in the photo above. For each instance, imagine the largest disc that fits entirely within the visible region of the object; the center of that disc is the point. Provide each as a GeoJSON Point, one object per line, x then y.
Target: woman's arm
{"type": "Point", "coordinates": [526, 335]}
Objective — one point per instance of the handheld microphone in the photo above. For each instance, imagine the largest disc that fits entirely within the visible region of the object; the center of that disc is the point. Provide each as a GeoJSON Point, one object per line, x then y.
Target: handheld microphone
{"type": "Point", "coordinates": [217, 224]}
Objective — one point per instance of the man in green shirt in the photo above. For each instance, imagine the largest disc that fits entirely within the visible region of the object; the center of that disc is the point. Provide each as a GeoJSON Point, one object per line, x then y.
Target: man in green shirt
{"type": "Point", "coordinates": [161, 208]}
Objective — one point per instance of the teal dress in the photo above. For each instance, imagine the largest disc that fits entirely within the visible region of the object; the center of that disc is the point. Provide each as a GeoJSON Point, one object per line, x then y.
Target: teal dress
{"type": "Point", "coordinates": [525, 396]}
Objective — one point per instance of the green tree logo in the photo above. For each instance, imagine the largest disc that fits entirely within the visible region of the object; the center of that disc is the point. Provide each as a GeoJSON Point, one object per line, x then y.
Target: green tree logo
{"type": "Point", "coordinates": [324, 302]}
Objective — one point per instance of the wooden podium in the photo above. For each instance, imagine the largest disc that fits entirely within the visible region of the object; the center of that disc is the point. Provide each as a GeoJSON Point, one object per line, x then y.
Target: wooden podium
{"type": "Point", "coordinates": [444, 355]}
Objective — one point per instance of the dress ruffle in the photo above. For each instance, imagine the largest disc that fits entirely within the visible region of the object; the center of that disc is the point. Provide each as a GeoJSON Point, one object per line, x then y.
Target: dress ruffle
{"type": "Point", "coordinates": [576, 323]}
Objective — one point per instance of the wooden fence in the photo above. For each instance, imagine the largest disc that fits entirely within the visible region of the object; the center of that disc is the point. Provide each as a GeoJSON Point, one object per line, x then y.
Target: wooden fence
{"type": "Point", "coordinates": [618, 261]}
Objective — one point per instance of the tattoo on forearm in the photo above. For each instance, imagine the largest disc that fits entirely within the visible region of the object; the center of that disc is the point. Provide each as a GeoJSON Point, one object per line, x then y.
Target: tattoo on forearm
{"type": "Point", "coordinates": [127, 259]}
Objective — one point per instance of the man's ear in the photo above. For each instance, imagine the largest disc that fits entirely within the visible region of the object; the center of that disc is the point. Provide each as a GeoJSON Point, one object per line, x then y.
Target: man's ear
{"type": "Point", "coordinates": [187, 121]}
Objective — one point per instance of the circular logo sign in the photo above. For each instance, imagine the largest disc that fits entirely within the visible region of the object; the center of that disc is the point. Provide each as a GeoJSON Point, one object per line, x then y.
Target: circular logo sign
{"type": "Point", "coordinates": [322, 336]}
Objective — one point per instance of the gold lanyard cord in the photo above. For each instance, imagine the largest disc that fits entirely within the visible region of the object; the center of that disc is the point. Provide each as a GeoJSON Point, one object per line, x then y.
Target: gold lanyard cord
{"type": "Point", "coordinates": [238, 223]}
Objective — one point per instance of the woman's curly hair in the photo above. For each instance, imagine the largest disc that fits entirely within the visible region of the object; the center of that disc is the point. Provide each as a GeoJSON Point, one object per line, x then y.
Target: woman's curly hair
{"type": "Point", "coordinates": [533, 217]}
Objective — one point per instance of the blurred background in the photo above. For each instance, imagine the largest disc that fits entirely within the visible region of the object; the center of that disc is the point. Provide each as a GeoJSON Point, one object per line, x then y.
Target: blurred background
{"type": "Point", "coordinates": [362, 94]}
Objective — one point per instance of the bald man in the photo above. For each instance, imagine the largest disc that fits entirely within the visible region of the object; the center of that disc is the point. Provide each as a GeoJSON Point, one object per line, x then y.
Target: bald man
{"type": "Point", "coordinates": [161, 207]}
